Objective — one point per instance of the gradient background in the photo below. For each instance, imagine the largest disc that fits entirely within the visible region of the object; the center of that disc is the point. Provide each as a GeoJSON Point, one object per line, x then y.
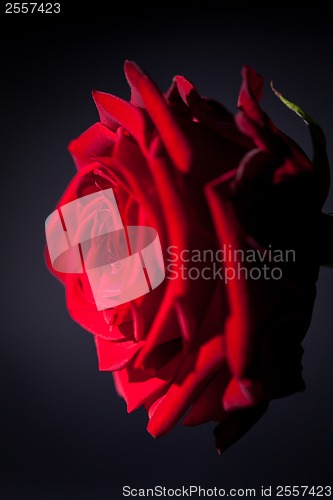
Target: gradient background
{"type": "Point", "coordinates": [65, 434]}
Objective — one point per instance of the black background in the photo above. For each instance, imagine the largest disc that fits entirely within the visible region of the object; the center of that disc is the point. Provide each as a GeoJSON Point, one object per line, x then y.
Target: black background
{"type": "Point", "coordinates": [65, 434]}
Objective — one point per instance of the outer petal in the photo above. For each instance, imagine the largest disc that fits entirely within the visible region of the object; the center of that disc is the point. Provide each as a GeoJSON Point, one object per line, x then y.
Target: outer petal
{"type": "Point", "coordinates": [253, 122]}
{"type": "Point", "coordinates": [187, 91]}
{"type": "Point", "coordinates": [115, 355]}
{"type": "Point", "coordinates": [216, 142]}
{"type": "Point", "coordinates": [242, 393]}
{"type": "Point", "coordinates": [238, 326]}
{"type": "Point", "coordinates": [197, 370]}
{"type": "Point", "coordinates": [174, 141]}
{"type": "Point", "coordinates": [268, 318]}
{"type": "Point", "coordinates": [250, 95]}
{"type": "Point", "coordinates": [97, 140]}
{"type": "Point", "coordinates": [136, 387]}
{"type": "Point", "coordinates": [236, 425]}
{"type": "Point", "coordinates": [208, 406]}
{"type": "Point", "coordinates": [114, 111]}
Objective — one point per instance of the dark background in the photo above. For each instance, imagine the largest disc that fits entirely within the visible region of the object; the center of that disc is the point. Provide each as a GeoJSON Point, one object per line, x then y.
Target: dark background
{"type": "Point", "coordinates": [65, 434]}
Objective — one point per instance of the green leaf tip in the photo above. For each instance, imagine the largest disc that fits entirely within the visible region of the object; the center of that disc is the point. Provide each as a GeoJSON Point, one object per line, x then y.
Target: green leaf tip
{"type": "Point", "coordinates": [295, 108]}
{"type": "Point", "coordinates": [320, 158]}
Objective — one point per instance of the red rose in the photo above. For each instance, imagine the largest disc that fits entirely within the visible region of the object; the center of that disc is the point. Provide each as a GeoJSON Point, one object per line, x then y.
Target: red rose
{"type": "Point", "coordinates": [217, 343]}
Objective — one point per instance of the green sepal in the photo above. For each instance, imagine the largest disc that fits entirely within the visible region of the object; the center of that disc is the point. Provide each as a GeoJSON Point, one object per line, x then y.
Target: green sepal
{"type": "Point", "coordinates": [322, 173]}
{"type": "Point", "coordinates": [320, 158]}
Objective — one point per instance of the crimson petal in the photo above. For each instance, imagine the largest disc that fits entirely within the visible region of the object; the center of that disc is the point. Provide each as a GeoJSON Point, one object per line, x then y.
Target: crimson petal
{"type": "Point", "coordinates": [114, 111]}
{"type": "Point", "coordinates": [175, 142]}
{"type": "Point", "coordinates": [115, 355]}
{"type": "Point", "coordinates": [97, 140]}
{"type": "Point", "coordinates": [197, 370]}
{"type": "Point", "coordinates": [136, 388]}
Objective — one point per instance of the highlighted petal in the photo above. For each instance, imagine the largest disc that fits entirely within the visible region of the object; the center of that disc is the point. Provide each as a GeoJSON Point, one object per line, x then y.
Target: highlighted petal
{"type": "Point", "coordinates": [114, 111]}
{"type": "Point", "coordinates": [97, 140]}
{"type": "Point", "coordinates": [250, 94]}
{"type": "Point", "coordinates": [187, 90]}
{"type": "Point", "coordinates": [174, 141]}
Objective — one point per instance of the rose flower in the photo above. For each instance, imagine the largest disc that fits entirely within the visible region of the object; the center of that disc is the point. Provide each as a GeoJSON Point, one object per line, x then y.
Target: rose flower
{"type": "Point", "coordinates": [206, 349]}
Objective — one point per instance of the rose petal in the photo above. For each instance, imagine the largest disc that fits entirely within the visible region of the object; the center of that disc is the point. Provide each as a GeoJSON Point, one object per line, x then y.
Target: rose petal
{"type": "Point", "coordinates": [208, 405]}
{"type": "Point", "coordinates": [115, 355]}
{"type": "Point", "coordinates": [130, 170]}
{"type": "Point", "coordinates": [174, 141]}
{"type": "Point", "coordinates": [82, 310]}
{"type": "Point", "coordinates": [164, 327]}
{"type": "Point", "coordinates": [136, 387]}
{"type": "Point", "coordinates": [251, 94]}
{"type": "Point", "coordinates": [114, 111]}
{"type": "Point", "coordinates": [176, 104]}
{"type": "Point", "coordinates": [144, 313]}
{"type": "Point", "coordinates": [261, 136]}
{"type": "Point", "coordinates": [97, 140]}
{"type": "Point", "coordinates": [242, 394]}
{"type": "Point", "coordinates": [198, 368]}
{"type": "Point", "coordinates": [218, 119]}
{"type": "Point", "coordinates": [236, 425]}
{"type": "Point", "coordinates": [187, 90]}
{"type": "Point", "coordinates": [238, 327]}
